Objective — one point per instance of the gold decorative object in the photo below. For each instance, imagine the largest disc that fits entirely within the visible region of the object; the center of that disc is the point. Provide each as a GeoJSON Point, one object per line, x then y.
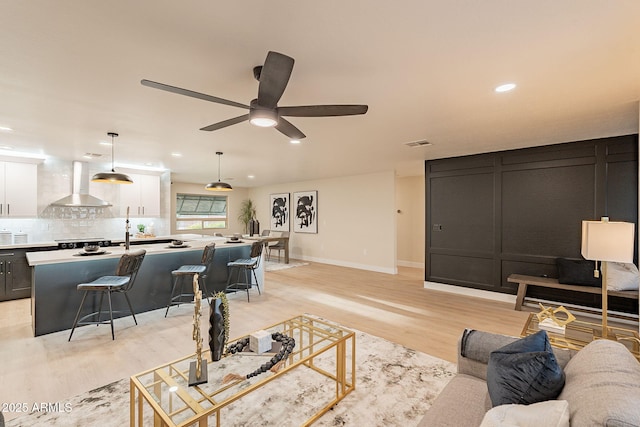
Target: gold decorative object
{"type": "Point", "coordinates": [197, 369]}
{"type": "Point", "coordinates": [550, 313]}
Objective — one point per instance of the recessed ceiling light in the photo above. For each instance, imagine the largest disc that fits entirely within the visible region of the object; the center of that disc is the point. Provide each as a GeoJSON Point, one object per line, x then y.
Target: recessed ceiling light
{"type": "Point", "coordinates": [251, 176]}
{"type": "Point", "coordinates": [505, 87]}
{"type": "Point", "coordinates": [6, 128]}
{"type": "Point", "coordinates": [295, 141]}
{"type": "Point", "coordinates": [6, 147]}
{"type": "Point", "coordinates": [176, 154]}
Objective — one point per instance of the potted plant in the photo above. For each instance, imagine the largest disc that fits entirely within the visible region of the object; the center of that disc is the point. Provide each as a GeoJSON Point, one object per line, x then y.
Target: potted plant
{"type": "Point", "coordinates": [247, 213]}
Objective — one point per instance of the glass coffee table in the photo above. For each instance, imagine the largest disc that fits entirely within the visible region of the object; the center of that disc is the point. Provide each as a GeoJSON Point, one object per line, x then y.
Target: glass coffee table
{"type": "Point", "coordinates": [580, 333]}
{"type": "Point", "coordinates": [323, 359]}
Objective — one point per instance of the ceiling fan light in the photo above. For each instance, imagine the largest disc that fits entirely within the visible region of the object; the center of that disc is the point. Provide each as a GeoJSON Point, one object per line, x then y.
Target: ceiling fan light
{"type": "Point", "coordinates": [263, 122]}
{"type": "Point", "coordinates": [263, 118]}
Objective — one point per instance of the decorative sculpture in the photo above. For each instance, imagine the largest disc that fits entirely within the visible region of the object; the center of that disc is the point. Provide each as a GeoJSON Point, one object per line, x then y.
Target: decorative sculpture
{"type": "Point", "coordinates": [197, 369]}
{"type": "Point", "coordinates": [551, 313]}
{"type": "Point", "coordinates": [218, 325]}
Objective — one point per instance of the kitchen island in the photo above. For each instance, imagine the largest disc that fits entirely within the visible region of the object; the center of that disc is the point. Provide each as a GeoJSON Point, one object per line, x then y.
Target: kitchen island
{"type": "Point", "coordinates": [55, 275]}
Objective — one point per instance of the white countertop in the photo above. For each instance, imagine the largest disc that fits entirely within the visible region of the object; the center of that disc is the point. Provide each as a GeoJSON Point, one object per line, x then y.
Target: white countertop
{"type": "Point", "coordinates": [71, 255]}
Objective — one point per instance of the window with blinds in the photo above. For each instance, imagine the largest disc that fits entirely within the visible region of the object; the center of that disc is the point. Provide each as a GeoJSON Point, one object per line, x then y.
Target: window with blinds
{"type": "Point", "coordinates": [200, 212]}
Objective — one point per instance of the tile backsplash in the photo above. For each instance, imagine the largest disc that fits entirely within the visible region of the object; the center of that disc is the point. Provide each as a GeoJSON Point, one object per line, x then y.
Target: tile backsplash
{"type": "Point", "coordinates": [56, 223]}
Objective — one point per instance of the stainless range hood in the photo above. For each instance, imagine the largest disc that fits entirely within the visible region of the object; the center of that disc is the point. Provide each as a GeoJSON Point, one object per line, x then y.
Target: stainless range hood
{"type": "Point", "coordinates": [80, 196]}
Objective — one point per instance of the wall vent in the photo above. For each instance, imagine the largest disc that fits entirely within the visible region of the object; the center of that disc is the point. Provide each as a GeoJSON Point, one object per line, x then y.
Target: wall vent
{"type": "Point", "coordinates": [421, 143]}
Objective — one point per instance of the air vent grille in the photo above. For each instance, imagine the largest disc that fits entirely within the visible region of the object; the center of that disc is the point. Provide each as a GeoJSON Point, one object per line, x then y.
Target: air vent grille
{"type": "Point", "coordinates": [421, 143]}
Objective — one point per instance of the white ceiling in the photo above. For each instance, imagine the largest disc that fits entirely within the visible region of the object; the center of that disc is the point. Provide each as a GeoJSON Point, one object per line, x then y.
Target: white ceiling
{"type": "Point", "coordinates": [70, 72]}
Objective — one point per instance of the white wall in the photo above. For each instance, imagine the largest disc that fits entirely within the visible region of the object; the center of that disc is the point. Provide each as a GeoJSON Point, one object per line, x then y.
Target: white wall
{"type": "Point", "coordinates": [234, 201]}
{"type": "Point", "coordinates": [410, 199]}
{"type": "Point", "coordinates": [356, 221]}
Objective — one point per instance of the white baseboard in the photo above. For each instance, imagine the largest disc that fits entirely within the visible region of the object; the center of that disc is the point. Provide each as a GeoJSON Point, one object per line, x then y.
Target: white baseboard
{"type": "Point", "coordinates": [367, 267]}
{"type": "Point", "coordinates": [478, 293]}
{"type": "Point", "coordinates": [411, 264]}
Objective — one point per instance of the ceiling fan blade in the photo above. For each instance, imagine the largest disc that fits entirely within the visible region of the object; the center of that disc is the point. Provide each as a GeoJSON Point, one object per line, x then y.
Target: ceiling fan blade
{"type": "Point", "coordinates": [192, 94]}
{"type": "Point", "coordinates": [289, 130]}
{"type": "Point", "coordinates": [274, 78]}
{"type": "Point", "coordinates": [322, 110]}
{"type": "Point", "coordinates": [225, 123]}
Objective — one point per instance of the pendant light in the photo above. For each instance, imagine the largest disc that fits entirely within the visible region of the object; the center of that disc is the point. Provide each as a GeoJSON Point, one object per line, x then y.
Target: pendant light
{"type": "Point", "coordinates": [218, 186]}
{"type": "Point", "coordinates": [112, 177]}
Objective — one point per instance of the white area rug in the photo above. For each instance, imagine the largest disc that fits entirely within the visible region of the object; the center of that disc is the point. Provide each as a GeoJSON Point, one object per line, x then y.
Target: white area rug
{"type": "Point", "coordinates": [275, 266]}
{"type": "Point", "coordinates": [394, 387]}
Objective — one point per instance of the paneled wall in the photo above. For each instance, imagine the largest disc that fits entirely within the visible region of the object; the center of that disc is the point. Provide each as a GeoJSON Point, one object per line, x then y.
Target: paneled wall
{"type": "Point", "coordinates": [491, 215]}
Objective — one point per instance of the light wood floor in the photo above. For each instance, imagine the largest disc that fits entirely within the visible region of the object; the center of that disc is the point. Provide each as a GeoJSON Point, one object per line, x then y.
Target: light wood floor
{"type": "Point", "coordinates": [396, 307]}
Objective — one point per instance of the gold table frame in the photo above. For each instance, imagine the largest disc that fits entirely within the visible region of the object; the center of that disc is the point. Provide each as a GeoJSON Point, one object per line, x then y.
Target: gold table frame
{"type": "Point", "coordinates": [195, 405]}
{"type": "Point", "coordinates": [580, 333]}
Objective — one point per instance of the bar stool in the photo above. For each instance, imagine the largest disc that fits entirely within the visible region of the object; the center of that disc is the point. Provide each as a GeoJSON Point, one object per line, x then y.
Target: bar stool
{"type": "Point", "coordinates": [245, 265]}
{"type": "Point", "coordinates": [122, 282]}
{"type": "Point", "coordinates": [179, 275]}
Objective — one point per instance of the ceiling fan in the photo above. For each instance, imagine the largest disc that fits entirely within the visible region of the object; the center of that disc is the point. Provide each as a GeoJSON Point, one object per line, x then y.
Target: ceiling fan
{"type": "Point", "coordinates": [264, 111]}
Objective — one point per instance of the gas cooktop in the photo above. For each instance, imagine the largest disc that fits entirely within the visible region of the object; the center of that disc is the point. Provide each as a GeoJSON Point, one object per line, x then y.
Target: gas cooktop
{"type": "Point", "coordinates": [81, 243]}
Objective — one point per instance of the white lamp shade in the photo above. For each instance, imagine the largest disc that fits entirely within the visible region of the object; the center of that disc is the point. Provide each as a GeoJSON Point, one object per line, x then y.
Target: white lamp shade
{"type": "Point", "coordinates": [608, 241]}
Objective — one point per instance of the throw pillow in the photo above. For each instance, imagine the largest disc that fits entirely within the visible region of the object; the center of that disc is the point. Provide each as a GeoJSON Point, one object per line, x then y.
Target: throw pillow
{"type": "Point", "coordinates": [552, 413]}
{"type": "Point", "coordinates": [603, 386]}
{"type": "Point", "coordinates": [622, 276]}
{"type": "Point", "coordinates": [577, 272]}
{"type": "Point", "coordinates": [524, 372]}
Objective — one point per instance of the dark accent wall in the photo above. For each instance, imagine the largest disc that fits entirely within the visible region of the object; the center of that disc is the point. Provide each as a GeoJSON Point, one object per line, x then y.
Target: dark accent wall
{"type": "Point", "coordinates": [494, 214]}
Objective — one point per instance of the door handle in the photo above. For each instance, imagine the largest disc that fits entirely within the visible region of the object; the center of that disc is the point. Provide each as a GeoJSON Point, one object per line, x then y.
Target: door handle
{"type": "Point", "coordinates": [8, 267]}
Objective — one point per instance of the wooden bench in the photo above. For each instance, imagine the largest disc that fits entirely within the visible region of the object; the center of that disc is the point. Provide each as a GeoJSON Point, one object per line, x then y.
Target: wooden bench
{"type": "Point", "coordinates": [548, 282]}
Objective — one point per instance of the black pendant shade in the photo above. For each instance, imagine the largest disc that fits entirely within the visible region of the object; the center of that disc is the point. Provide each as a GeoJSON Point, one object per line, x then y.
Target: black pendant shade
{"type": "Point", "coordinates": [112, 177]}
{"type": "Point", "coordinates": [219, 185]}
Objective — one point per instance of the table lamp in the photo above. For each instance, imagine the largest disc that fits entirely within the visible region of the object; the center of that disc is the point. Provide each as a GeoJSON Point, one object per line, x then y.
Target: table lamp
{"type": "Point", "coordinates": [607, 241]}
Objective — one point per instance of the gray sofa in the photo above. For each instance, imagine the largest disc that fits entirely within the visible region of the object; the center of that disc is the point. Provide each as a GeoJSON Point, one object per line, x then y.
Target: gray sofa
{"type": "Point", "coordinates": [602, 384]}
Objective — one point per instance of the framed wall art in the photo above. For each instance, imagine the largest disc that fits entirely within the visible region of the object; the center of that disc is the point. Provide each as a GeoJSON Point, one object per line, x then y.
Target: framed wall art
{"type": "Point", "coordinates": [306, 211]}
{"type": "Point", "coordinates": [280, 212]}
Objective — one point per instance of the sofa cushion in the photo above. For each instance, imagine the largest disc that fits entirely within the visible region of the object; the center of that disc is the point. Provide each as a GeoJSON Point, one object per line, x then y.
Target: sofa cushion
{"type": "Point", "coordinates": [461, 403]}
{"type": "Point", "coordinates": [603, 386]}
{"type": "Point", "coordinates": [550, 413]}
{"type": "Point", "coordinates": [524, 372]}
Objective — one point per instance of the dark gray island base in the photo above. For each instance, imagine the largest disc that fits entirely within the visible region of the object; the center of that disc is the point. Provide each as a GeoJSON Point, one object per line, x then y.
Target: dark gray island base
{"type": "Point", "coordinates": [55, 300]}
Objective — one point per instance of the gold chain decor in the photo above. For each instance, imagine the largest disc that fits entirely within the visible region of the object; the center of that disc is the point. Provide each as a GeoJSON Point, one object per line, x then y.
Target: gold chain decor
{"type": "Point", "coordinates": [273, 365]}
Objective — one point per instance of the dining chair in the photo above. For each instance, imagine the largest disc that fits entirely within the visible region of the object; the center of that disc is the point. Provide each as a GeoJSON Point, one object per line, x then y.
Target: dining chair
{"type": "Point", "coordinates": [280, 245]}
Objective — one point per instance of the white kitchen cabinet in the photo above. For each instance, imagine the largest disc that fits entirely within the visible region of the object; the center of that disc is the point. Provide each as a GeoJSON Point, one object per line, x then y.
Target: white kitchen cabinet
{"type": "Point", "coordinates": [18, 189]}
{"type": "Point", "coordinates": [142, 197]}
